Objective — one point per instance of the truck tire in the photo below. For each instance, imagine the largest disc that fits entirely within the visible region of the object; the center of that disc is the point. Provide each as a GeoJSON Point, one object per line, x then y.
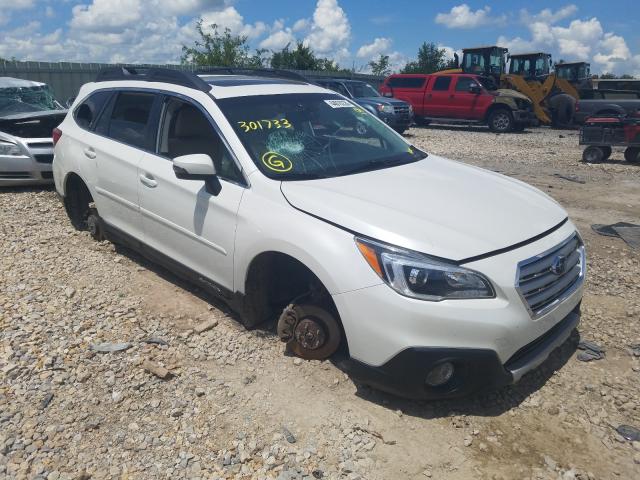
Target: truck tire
{"type": "Point", "coordinates": [632, 154]}
{"type": "Point", "coordinates": [593, 154]}
{"type": "Point", "coordinates": [563, 108]}
{"type": "Point", "coordinates": [400, 130]}
{"type": "Point", "coordinates": [421, 121]}
{"type": "Point", "coordinates": [501, 121]}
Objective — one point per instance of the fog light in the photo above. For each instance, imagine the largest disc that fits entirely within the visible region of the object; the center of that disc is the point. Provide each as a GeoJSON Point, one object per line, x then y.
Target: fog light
{"type": "Point", "coordinates": [440, 374]}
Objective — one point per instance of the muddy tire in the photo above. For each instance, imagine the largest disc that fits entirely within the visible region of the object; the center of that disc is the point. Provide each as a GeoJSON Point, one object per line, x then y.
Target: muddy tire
{"type": "Point", "coordinates": [421, 121]}
{"type": "Point", "coordinates": [607, 152]}
{"type": "Point", "coordinates": [632, 154]}
{"type": "Point", "coordinates": [593, 154]}
{"type": "Point", "coordinates": [501, 121]}
{"type": "Point", "coordinates": [310, 331]}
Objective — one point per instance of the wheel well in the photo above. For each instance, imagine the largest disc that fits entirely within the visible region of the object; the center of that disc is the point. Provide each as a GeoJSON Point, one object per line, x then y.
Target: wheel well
{"type": "Point", "coordinates": [77, 199]}
{"type": "Point", "coordinates": [273, 281]}
{"type": "Point", "coordinates": [494, 107]}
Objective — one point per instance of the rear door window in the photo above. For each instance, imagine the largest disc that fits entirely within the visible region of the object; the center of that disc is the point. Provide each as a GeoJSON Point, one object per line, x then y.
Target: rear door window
{"type": "Point", "coordinates": [130, 117]}
{"type": "Point", "coordinates": [406, 82]}
{"type": "Point", "coordinates": [442, 84]}
{"type": "Point", "coordinates": [86, 114]}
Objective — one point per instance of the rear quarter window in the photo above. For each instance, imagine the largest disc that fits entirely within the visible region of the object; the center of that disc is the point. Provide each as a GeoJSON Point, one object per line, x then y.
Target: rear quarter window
{"type": "Point", "coordinates": [406, 82]}
{"type": "Point", "coordinates": [86, 114]}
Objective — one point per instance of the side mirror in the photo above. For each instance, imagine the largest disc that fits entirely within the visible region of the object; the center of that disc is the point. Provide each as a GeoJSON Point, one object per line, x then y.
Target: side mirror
{"type": "Point", "coordinates": [475, 89]}
{"type": "Point", "coordinates": [198, 166]}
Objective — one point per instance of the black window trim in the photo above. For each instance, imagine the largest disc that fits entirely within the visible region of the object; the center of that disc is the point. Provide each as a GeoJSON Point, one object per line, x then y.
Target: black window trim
{"type": "Point", "coordinates": [95, 120]}
{"type": "Point", "coordinates": [194, 103]}
{"type": "Point", "coordinates": [402, 77]}
{"type": "Point", "coordinates": [160, 111]}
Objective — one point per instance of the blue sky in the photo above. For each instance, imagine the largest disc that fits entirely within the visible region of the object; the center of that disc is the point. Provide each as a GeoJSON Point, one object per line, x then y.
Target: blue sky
{"type": "Point", "coordinates": [350, 31]}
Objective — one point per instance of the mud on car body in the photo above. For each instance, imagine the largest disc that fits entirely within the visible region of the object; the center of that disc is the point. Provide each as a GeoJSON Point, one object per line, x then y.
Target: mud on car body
{"type": "Point", "coordinates": [293, 203]}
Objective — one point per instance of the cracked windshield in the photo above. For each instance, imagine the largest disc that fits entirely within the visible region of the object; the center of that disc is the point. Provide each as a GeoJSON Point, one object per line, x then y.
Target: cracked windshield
{"type": "Point", "coordinates": [302, 137]}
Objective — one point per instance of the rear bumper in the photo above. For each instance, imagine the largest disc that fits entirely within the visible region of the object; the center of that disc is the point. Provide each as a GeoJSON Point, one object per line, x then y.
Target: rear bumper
{"type": "Point", "coordinates": [526, 118]}
{"type": "Point", "coordinates": [475, 369]}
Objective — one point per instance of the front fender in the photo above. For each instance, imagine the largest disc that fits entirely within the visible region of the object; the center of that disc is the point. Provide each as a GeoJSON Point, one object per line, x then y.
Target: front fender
{"type": "Point", "coordinates": [268, 223]}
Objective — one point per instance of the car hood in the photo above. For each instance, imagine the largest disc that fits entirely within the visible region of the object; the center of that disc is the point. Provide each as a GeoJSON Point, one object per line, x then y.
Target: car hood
{"type": "Point", "coordinates": [380, 101]}
{"type": "Point", "coordinates": [435, 206]}
{"type": "Point", "coordinates": [507, 92]}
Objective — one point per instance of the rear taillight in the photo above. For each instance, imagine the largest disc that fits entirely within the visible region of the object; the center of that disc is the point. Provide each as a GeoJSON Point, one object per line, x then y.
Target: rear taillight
{"type": "Point", "coordinates": [56, 134]}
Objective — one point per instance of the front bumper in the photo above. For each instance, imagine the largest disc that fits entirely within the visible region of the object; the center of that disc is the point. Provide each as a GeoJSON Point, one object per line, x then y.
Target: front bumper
{"type": "Point", "coordinates": [475, 369]}
{"type": "Point", "coordinates": [526, 118]}
{"type": "Point", "coordinates": [386, 331]}
{"type": "Point", "coordinates": [395, 120]}
{"type": "Point", "coordinates": [33, 167]}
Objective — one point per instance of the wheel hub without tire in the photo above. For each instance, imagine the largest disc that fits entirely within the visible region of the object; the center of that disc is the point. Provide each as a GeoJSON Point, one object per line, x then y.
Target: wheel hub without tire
{"type": "Point", "coordinates": [310, 331]}
{"type": "Point", "coordinates": [310, 334]}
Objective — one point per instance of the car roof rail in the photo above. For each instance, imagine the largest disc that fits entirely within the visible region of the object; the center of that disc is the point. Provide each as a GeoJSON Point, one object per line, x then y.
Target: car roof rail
{"type": "Point", "coordinates": [257, 72]}
{"type": "Point", "coordinates": [154, 74]}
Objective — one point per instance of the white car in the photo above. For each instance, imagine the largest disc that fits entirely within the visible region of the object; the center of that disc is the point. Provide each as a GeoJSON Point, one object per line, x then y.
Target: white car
{"type": "Point", "coordinates": [292, 203]}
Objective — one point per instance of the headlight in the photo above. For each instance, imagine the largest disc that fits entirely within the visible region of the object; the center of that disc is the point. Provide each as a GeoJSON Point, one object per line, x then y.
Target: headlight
{"type": "Point", "coordinates": [419, 276]}
{"type": "Point", "coordinates": [385, 108]}
{"type": "Point", "coordinates": [10, 149]}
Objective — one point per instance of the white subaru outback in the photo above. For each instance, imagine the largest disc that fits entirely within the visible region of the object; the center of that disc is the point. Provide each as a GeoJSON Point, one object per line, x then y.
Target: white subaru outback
{"type": "Point", "coordinates": [290, 202]}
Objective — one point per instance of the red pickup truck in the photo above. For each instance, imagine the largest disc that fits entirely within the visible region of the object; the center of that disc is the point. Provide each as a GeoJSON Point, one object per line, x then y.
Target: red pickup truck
{"type": "Point", "coordinates": [461, 98]}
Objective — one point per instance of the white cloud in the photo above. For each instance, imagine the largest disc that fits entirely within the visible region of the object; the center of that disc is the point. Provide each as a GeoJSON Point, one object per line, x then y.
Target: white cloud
{"type": "Point", "coordinates": [461, 16]}
{"type": "Point", "coordinates": [278, 39]}
{"type": "Point", "coordinates": [330, 30]}
{"type": "Point", "coordinates": [230, 18]}
{"type": "Point", "coordinates": [371, 50]}
{"type": "Point", "coordinates": [549, 16]}
{"type": "Point", "coordinates": [581, 39]}
{"type": "Point", "coordinates": [300, 25]}
{"type": "Point", "coordinates": [612, 49]}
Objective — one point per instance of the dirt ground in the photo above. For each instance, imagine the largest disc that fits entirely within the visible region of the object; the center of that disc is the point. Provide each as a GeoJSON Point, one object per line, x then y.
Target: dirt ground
{"type": "Point", "coordinates": [234, 406]}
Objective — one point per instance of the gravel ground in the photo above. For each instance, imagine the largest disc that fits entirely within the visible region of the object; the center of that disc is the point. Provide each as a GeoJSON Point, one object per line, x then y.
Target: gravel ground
{"type": "Point", "coordinates": [194, 395]}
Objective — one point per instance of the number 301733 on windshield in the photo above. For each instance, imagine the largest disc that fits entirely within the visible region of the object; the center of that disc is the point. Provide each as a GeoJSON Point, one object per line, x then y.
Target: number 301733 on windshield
{"type": "Point", "coordinates": [264, 125]}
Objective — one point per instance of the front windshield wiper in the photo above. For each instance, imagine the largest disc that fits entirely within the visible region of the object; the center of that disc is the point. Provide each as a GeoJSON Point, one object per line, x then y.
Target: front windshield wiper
{"type": "Point", "coordinates": [379, 164]}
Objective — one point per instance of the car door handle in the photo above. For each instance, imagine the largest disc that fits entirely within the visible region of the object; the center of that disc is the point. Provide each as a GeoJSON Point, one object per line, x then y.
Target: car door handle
{"type": "Point", "coordinates": [90, 153]}
{"type": "Point", "coordinates": [148, 180]}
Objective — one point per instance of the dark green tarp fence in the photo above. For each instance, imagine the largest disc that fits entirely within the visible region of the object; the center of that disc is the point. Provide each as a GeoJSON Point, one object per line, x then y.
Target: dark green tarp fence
{"type": "Point", "coordinates": [65, 78]}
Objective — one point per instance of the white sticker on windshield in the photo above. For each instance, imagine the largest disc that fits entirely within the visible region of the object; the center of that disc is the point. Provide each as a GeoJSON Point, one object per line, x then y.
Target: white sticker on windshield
{"type": "Point", "coordinates": [339, 103]}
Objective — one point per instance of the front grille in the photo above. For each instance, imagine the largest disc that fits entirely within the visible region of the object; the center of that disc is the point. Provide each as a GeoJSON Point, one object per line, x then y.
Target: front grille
{"type": "Point", "coordinates": [48, 144]}
{"type": "Point", "coordinates": [44, 157]}
{"type": "Point", "coordinates": [14, 175]}
{"type": "Point", "coordinates": [402, 111]}
{"type": "Point", "coordinates": [547, 279]}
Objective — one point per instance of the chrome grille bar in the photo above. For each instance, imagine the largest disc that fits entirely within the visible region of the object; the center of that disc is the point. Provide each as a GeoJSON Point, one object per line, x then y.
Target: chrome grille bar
{"type": "Point", "coordinates": [549, 278]}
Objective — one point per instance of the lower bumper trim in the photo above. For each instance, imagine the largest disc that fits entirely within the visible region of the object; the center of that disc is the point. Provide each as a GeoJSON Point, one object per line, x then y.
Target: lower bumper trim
{"type": "Point", "coordinates": [475, 369]}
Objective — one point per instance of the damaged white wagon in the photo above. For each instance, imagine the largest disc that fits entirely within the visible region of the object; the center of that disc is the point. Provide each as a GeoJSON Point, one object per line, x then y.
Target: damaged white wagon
{"type": "Point", "coordinates": [294, 204]}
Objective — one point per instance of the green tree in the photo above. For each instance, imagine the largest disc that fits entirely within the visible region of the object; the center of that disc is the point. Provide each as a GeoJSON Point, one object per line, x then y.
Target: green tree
{"type": "Point", "coordinates": [430, 59]}
{"type": "Point", "coordinates": [607, 75]}
{"type": "Point", "coordinates": [626, 76]}
{"type": "Point", "coordinates": [221, 50]}
{"type": "Point", "coordinates": [380, 67]}
{"type": "Point", "coordinates": [301, 58]}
